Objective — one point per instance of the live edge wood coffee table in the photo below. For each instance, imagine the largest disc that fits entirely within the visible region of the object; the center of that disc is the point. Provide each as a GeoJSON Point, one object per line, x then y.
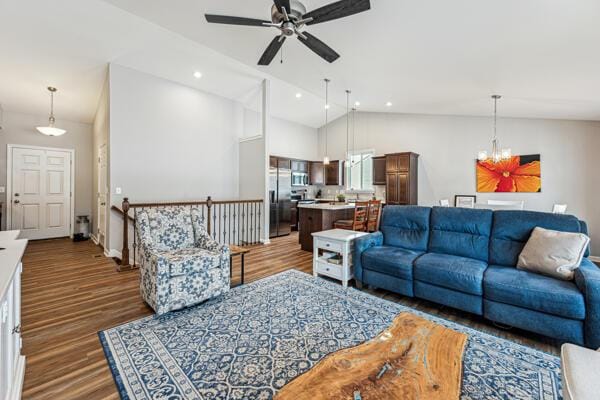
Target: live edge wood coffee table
{"type": "Point", "coordinates": [413, 359]}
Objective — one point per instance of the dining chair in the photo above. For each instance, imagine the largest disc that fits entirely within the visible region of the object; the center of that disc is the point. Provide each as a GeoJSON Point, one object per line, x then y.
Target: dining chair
{"type": "Point", "coordinates": [507, 203]}
{"type": "Point", "coordinates": [559, 209]}
{"type": "Point", "coordinates": [373, 215]}
{"type": "Point", "coordinates": [444, 203]}
{"type": "Point", "coordinates": [359, 223]}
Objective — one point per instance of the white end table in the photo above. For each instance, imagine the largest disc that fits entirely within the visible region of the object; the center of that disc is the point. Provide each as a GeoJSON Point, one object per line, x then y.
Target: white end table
{"type": "Point", "coordinates": [333, 242]}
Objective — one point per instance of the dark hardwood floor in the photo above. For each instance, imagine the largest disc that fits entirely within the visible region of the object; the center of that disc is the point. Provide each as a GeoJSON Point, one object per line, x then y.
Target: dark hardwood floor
{"type": "Point", "coordinates": [71, 291]}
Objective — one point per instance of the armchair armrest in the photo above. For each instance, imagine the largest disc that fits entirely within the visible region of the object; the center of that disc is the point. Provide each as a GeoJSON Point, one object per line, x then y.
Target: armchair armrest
{"type": "Point", "coordinates": [204, 241]}
{"type": "Point", "coordinates": [362, 244]}
{"type": "Point", "coordinates": [587, 278]}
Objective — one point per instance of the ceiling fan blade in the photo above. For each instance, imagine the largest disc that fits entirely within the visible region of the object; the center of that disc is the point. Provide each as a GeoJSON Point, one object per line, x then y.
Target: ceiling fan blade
{"type": "Point", "coordinates": [225, 19]}
{"type": "Point", "coordinates": [318, 47]}
{"type": "Point", "coordinates": [339, 9]}
{"type": "Point", "coordinates": [283, 3]}
{"type": "Point", "coordinates": [272, 50]}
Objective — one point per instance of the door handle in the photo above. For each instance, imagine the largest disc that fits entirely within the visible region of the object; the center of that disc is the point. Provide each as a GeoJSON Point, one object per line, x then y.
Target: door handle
{"type": "Point", "coordinates": [17, 194]}
{"type": "Point", "coordinates": [17, 201]}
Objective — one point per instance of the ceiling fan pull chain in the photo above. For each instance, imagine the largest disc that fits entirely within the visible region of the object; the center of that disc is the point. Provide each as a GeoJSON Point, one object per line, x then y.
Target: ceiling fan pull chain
{"type": "Point", "coordinates": [281, 55]}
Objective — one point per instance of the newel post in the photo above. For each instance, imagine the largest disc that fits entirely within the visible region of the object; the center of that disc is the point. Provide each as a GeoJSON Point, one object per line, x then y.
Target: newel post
{"type": "Point", "coordinates": [208, 206]}
{"type": "Point", "coordinates": [125, 249]}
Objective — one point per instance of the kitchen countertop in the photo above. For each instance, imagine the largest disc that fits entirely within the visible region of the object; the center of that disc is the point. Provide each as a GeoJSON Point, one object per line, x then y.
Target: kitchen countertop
{"type": "Point", "coordinates": [326, 206]}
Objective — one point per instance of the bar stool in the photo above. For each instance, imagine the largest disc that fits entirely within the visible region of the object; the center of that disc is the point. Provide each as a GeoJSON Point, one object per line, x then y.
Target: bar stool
{"type": "Point", "coordinates": [359, 223]}
{"type": "Point", "coordinates": [373, 215]}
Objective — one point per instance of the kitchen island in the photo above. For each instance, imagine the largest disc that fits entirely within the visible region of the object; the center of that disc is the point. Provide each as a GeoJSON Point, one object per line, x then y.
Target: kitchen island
{"type": "Point", "coordinates": [318, 218]}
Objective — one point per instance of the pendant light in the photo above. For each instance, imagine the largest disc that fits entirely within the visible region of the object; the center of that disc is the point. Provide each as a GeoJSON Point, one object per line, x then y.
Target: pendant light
{"type": "Point", "coordinates": [497, 153]}
{"type": "Point", "coordinates": [348, 156]}
{"type": "Point", "coordinates": [326, 158]}
{"type": "Point", "coordinates": [51, 130]}
{"type": "Point", "coordinates": [353, 130]}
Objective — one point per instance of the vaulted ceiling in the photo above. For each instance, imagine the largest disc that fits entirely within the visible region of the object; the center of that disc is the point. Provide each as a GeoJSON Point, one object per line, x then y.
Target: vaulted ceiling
{"type": "Point", "coordinates": [427, 56]}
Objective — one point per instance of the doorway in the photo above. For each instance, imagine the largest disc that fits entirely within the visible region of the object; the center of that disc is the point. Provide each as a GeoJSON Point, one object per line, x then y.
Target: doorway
{"type": "Point", "coordinates": [40, 191]}
{"type": "Point", "coordinates": [102, 194]}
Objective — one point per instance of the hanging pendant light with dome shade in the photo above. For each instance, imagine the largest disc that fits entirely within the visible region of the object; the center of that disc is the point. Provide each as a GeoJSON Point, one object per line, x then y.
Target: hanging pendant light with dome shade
{"type": "Point", "coordinates": [51, 130]}
{"type": "Point", "coordinates": [498, 154]}
{"type": "Point", "coordinates": [326, 157]}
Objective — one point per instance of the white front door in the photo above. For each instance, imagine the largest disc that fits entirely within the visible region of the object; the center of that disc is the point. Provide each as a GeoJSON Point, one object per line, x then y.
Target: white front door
{"type": "Point", "coordinates": [41, 192]}
{"type": "Point", "coordinates": [102, 194]}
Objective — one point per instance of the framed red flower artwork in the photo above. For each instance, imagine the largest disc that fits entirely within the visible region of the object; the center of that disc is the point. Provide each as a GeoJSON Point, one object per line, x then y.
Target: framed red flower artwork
{"type": "Point", "coordinates": [517, 174]}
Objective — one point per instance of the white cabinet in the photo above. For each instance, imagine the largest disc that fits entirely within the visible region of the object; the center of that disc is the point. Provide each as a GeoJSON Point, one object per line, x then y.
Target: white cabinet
{"type": "Point", "coordinates": [12, 363]}
{"type": "Point", "coordinates": [334, 244]}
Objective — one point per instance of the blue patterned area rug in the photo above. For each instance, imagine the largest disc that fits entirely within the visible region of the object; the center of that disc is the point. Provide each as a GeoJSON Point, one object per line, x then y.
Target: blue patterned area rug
{"type": "Point", "coordinates": [250, 342]}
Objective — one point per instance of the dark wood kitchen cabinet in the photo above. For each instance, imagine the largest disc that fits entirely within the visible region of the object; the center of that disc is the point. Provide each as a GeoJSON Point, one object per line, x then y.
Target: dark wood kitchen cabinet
{"type": "Point", "coordinates": [317, 173]}
{"type": "Point", "coordinates": [379, 170]}
{"type": "Point", "coordinates": [401, 178]}
{"type": "Point", "coordinates": [279, 162]}
{"type": "Point", "coordinates": [300, 166]}
{"type": "Point", "coordinates": [334, 176]}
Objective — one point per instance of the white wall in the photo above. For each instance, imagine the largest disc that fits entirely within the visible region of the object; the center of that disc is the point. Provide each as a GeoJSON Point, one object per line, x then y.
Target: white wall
{"type": "Point", "coordinates": [20, 129]}
{"type": "Point", "coordinates": [100, 135]}
{"type": "Point", "coordinates": [448, 147]}
{"type": "Point", "coordinates": [289, 139]}
{"type": "Point", "coordinates": [169, 142]}
{"type": "Point", "coordinates": [252, 168]}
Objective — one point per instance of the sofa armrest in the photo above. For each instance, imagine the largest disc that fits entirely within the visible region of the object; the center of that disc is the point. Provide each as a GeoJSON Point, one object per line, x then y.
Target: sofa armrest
{"type": "Point", "coordinates": [587, 278]}
{"type": "Point", "coordinates": [580, 369]}
{"type": "Point", "coordinates": [362, 244]}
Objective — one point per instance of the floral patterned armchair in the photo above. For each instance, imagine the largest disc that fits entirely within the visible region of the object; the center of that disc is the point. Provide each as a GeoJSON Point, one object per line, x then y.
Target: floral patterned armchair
{"type": "Point", "coordinates": [180, 264]}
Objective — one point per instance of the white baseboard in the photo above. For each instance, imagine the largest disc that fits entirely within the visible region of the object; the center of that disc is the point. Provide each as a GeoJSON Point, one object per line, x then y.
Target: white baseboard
{"type": "Point", "coordinates": [265, 241]}
{"type": "Point", "coordinates": [117, 254]}
{"type": "Point", "coordinates": [112, 253]}
{"type": "Point", "coordinates": [17, 387]}
{"type": "Point", "coordinates": [94, 239]}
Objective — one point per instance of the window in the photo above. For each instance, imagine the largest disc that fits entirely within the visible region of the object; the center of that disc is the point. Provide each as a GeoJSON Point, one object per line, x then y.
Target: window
{"type": "Point", "coordinates": [360, 171]}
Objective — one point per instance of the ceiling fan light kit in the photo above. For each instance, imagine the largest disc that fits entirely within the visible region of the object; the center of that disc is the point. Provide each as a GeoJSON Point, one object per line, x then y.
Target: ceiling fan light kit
{"type": "Point", "coordinates": [290, 17]}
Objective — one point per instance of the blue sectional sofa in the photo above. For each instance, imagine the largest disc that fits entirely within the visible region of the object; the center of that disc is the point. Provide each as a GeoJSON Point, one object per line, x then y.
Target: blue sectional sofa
{"type": "Point", "coordinates": [466, 259]}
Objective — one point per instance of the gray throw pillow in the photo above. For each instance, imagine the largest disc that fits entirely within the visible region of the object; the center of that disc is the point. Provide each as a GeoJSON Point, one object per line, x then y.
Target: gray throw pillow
{"type": "Point", "coordinates": [553, 253]}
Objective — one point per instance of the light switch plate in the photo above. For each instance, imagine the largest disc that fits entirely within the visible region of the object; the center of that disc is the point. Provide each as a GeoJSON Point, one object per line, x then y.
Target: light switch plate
{"type": "Point", "coordinates": [2, 189]}
{"type": "Point", "coordinates": [118, 190]}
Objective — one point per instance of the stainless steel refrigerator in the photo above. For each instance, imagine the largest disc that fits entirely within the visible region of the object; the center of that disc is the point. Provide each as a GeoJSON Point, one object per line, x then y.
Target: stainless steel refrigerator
{"type": "Point", "coordinates": [280, 194]}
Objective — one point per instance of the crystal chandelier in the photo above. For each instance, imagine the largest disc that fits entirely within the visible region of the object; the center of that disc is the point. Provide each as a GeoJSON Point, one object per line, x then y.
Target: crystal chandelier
{"type": "Point", "coordinates": [497, 153]}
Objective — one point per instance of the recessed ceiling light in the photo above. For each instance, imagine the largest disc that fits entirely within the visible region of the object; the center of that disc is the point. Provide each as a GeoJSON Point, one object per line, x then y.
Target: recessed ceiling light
{"type": "Point", "coordinates": [298, 95]}
{"type": "Point", "coordinates": [197, 74]}
{"type": "Point", "coordinates": [357, 104]}
{"type": "Point", "coordinates": [388, 104]}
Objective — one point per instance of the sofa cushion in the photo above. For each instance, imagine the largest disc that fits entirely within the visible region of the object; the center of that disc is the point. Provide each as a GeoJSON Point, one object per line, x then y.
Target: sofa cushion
{"type": "Point", "coordinates": [406, 226]}
{"type": "Point", "coordinates": [452, 272]}
{"type": "Point", "coordinates": [189, 261]}
{"type": "Point", "coordinates": [390, 260]}
{"type": "Point", "coordinates": [461, 232]}
{"type": "Point", "coordinates": [511, 231]}
{"type": "Point", "coordinates": [533, 291]}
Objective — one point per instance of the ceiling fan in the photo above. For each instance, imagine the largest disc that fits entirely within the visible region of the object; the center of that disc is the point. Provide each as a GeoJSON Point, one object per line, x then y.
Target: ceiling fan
{"type": "Point", "coordinates": [289, 17]}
